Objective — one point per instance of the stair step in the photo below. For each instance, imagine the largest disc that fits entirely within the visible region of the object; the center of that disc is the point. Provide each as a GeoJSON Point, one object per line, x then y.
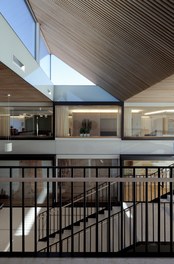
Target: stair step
{"type": "Point", "coordinates": [168, 197]}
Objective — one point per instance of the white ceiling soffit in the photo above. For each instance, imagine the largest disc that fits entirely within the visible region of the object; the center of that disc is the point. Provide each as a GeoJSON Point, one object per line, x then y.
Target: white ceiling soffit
{"type": "Point", "coordinates": [123, 46]}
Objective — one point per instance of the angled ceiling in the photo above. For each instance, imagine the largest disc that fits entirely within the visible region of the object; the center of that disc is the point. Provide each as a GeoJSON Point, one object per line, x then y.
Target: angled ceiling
{"type": "Point", "coordinates": [160, 92]}
{"type": "Point", "coordinates": [123, 46]}
{"type": "Point", "coordinates": [20, 90]}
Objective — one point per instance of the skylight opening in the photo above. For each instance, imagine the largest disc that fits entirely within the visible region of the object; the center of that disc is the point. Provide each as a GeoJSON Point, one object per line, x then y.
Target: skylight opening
{"type": "Point", "coordinates": [62, 74]}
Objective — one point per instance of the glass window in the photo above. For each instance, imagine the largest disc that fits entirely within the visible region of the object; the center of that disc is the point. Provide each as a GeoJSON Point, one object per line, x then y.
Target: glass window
{"type": "Point", "coordinates": [20, 19]}
{"type": "Point", "coordinates": [149, 121]}
{"type": "Point", "coordinates": [26, 173]}
{"type": "Point", "coordinates": [44, 56]}
{"type": "Point", "coordinates": [93, 120]}
{"type": "Point", "coordinates": [26, 122]}
{"type": "Point", "coordinates": [101, 172]}
{"type": "Point", "coordinates": [60, 71]}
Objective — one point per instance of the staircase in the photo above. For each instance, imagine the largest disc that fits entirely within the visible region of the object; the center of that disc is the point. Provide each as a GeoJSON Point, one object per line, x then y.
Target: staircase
{"type": "Point", "coordinates": [72, 214]}
{"type": "Point", "coordinates": [108, 228]}
{"type": "Point", "coordinates": [82, 238]}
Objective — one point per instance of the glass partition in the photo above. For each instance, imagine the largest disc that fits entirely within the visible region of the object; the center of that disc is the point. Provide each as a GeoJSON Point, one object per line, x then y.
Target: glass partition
{"type": "Point", "coordinates": [85, 121]}
{"type": "Point", "coordinates": [149, 121]}
{"type": "Point", "coordinates": [44, 56]}
{"type": "Point", "coordinates": [91, 172]}
{"type": "Point", "coordinates": [26, 122]}
{"type": "Point", "coordinates": [25, 169]}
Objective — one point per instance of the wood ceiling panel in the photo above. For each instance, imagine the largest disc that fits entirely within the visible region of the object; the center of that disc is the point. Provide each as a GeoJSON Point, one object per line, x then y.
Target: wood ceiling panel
{"type": "Point", "coordinates": [160, 92]}
{"type": "Point", "coordinates": [20, 90]}
{"type": "Point", "coordinates": [124, 46]}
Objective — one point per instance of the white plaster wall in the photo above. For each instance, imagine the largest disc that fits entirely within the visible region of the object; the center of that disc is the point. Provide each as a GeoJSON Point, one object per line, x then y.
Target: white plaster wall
{"type": "Point", "coordinates": [11, 45]}
{"type": "Point", "coordinates": [90, 146]}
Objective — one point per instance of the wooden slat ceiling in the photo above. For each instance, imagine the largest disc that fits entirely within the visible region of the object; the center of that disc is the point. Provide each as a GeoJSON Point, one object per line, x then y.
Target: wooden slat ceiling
{"type": "Point", "coordinates": [20, 90]}
{"type": "Point", "coordinates": [160, 92]}
{"type": "Point", "coordinates": [124, 46]}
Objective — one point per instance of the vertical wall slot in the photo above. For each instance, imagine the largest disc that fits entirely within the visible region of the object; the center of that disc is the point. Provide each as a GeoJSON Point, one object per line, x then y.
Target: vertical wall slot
{"type": "Point", "coordinates": [18, 63]}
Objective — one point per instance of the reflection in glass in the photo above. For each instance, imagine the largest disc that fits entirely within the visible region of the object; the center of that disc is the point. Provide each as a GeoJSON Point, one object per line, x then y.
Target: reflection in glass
{"type": "Point", "coordinates": [149, 121]}
{"type": "Point", "coordinates": [27, 171]}
{"type": "Point", "coordinates": [93, 120]}
{"type": "Point", "coordinates": [26, 122]}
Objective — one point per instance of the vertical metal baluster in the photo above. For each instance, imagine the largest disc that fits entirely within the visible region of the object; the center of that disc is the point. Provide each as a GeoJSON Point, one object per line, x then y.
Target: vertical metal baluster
{"type": "Point", "coordinates": [118, 232]}
{"type": "Point", "coordinates": [146, 216]}
{"type": "Point", "coordinates": [112, 234]}
{"type": "Point", "coordinates": [142, 225]}
{"type": "Point", "coordinates": [72, 214]}
{"type": "Point", "coordinates": [141, 193]}
{"type": "Point", "coordinates": [109, 215]}
{"type": "Point", "coordinates": [171, 211]}
{"type": "Point", "coordinates": [134, 213]}
{"type": "Point", "coordinates": [23, 215]}
{"type": "Point", "coordinates": [124, 227]}
{"type": "Point", "coordinates": [84, 212]}
{"type": "Point", "coordinates": [48, 214]}
{"type": "Point", "coordinates": [121, 205]}
{"type": "Point", "coordinates": [97, 207]}
{"type": "Point", "coordinates": [165, 212]}
{"type": "Point", "coordinates": [35, 212]}
{"type": "Point", "coordinates": [151, 190]}
{"type": "Point", "coordinates": [153, 221]}
{"type": "Point", "coordinates": [11, 215]}
{"type": "Point", "coordinates": [159, 220]}
{"type": "Point", "coordinates": [101, 249]}
{"type": "Point", "coordinates": [60, 212]}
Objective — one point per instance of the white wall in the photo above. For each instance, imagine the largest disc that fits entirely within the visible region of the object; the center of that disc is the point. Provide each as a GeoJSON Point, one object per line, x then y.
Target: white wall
{"type": "Point", "coordinates": [12, 45]}
{"type": "Point", "coordinates": [90, 146]}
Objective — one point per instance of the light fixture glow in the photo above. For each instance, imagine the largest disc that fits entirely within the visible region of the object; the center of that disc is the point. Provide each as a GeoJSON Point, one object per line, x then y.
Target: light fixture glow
{"type": "Point", "coordinates": [145, 117]}
{"type": "Point", "coordinates": [135, 111]}
{"type": "Point", "coordinates": [160, 112]}
{"type": "Point", "coordinates": [94, 111]}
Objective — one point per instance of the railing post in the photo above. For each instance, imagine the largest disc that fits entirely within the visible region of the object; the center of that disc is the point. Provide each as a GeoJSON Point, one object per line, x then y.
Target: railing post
{"type": "Point", "coordinates": [72, 214]}
{"type": "Point", "coordinates": [109, 216]}
{"type": "Point", "coordinates": [35, 212]}
{"type": "Point", "coordinates": [171, 210]}
{"type": "Point", "coordinates": [134, 213]}
{"type": "Point", "coordinates": [11, 215]}
{"type": "Point", "coordinates": [23, 214]}
{"type": "Point", "coordinates": [60, 212]}
{"type": "Point", "coordinates": [97, 208]}
{"type": "Point", "coordinates": [84, 212]}
{"type": "Point", "coordinates": [146, 216]}
{"type": "Point", "coordinates": [121, 205]}
{"type": "Point", "coordinates": [159, 220]}
{"type": "Point", "coordinates": [48, 214]}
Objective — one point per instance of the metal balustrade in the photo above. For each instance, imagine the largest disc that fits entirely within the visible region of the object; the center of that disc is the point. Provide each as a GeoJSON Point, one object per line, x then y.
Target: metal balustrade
{"type": "Point", "coordinates": [78, 211]}
{"type": "Point", "coordinates": [130, 215]}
